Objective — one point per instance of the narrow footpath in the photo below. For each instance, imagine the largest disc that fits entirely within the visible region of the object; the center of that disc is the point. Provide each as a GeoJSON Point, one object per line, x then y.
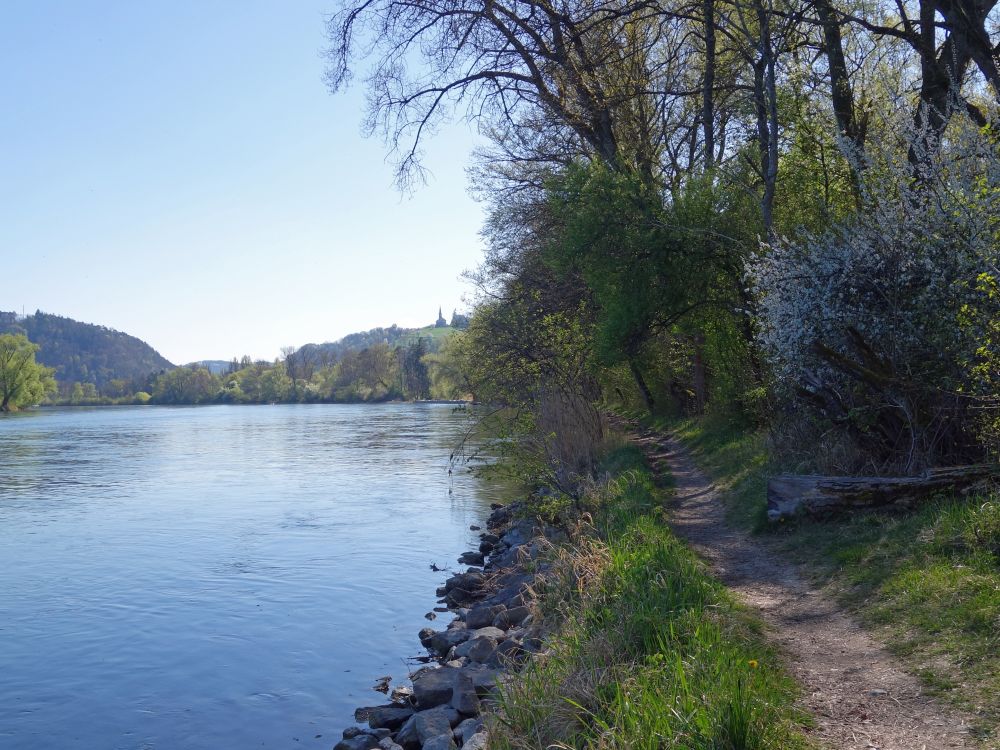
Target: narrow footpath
{"type": "Point", "coordinates": [859, 695]}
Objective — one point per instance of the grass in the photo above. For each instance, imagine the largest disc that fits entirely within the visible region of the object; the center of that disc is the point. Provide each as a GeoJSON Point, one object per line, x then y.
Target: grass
{"type": "Point", "coordinates": [927, 583]}
{"type": "Point", "coordinates": [648, 650]}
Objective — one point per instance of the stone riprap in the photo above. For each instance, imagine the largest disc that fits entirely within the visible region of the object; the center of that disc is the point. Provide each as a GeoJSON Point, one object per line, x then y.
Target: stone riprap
{"type": "Point", "coordinates": [494, 632]}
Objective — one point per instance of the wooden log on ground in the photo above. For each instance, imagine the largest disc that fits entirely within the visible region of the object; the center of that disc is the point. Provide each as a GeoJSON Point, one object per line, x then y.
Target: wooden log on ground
{"type": "Point", "coordinates": [792, 494]}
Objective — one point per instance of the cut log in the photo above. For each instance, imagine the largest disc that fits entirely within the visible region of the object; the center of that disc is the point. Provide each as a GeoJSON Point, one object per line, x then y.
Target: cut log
{"type": "Point", "coordinates": [792, 494]}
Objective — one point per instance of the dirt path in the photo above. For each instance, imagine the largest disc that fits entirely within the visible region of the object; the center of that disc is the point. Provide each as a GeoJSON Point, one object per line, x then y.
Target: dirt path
{"type": "Point", "coordinates": [859, 696]}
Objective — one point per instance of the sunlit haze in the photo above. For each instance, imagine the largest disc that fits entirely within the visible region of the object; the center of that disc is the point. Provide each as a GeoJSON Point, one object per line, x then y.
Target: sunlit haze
{"type": "Point", "coordinates": [179, 171]}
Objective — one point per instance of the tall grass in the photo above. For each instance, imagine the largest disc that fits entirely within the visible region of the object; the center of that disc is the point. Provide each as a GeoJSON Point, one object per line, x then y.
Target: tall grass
{"type": "Point", "coordinates": [648, 650]}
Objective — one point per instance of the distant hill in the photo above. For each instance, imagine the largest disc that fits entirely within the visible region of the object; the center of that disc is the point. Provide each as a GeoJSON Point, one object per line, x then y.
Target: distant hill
{"type": "Point", "coordinates": [333, 351]}
{"type": "Point", "coordinates": [86, 353]}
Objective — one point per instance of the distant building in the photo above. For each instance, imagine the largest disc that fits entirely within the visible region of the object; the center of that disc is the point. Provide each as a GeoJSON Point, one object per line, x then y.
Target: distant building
{"type": "Point", "coordinates": [440, 322]}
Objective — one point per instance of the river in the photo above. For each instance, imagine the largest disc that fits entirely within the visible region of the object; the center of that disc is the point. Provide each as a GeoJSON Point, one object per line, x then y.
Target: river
{"type": "Point", "coordinates": [219, 577]}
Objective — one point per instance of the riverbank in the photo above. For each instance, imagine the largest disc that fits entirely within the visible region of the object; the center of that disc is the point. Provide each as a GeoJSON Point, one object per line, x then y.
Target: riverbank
{"type": "Point", "coordinates": [605, 629]}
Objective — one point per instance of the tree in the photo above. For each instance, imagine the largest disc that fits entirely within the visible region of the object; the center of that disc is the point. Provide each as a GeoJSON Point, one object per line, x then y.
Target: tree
{"type": "Point", "coordinates": [23, 382]}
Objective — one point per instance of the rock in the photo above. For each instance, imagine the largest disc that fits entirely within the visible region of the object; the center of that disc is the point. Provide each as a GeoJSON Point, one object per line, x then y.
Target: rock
{"type": "Point", "coordinates": [435, 722]}
{"type": "Point", "coordinates": [425, 636]}
{"type": "Point", "coordinates": [441, 742]}
{"type": "Point", "coordinates": [444, 641]}
{"type": "Point", "coordinates": [484, 679]}
{"type": "Point", "coordinates": [520, 533]}
{"type": "Point", "coordinates": [489, 538]}
{"type": "Point", "coordinates": [426, 725]}
{"type": "Point", "coordinates": [482, 615]}
{"type": "Point", "coordinates": [357, 742]}
{"type": "Point", "coordinates": [475, 742]}
{"type": "Point", "coordinates": [476, 649]}
{"type": "Point", "coordinates": [468, 728]}
{"type": "Point", "coordinates": [401, 694]}
{"type": "Point", "coordinates": [510, 618]}
{"type": "Point", "coordinates": [462, 588]}
{"type": "Point", "coordinates": [388, 744]}
{"type": "Point", "coordinates": [489, 632]}
{"type": "Point", "coordinates": [390, 717]}
{"type": "Point", "coordinates": [481, 649]}
{"type": "Point", "coordinates": [464, 698]}
{"type": "Point", "coordinates": [507, 653]}
{"type": "Point", "coordinates": [878, 693]}
{"type": "Point", "coordinates": [352, 732]}
{"type": "Point", "coordinates": [433, 687]}
{"type": "Point", "coordinates": [486, 547]}
{"type": "Point", "coordinates": [471, 558]}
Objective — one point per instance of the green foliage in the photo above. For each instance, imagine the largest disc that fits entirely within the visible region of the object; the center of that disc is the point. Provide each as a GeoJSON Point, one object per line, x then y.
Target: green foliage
{"type": "Point", "coordinates": [23, 382]}
{"type": "Point", "coordinates": [185, 385]}
{"type": "Point", "coordinates": [649, 651]}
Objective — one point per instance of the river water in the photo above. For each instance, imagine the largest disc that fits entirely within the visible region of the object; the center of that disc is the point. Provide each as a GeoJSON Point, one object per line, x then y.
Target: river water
{"type": "Point", "coordinates": [219, 577]}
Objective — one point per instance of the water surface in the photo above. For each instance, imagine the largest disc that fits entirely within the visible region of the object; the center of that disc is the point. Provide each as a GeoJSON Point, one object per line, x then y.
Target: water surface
{"type": "Point", "coordinates": [218, 577]}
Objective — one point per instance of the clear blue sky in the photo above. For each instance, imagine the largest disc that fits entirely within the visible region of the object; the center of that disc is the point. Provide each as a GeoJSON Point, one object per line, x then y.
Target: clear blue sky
{"type": "Point", "coordinates": [179, 171]}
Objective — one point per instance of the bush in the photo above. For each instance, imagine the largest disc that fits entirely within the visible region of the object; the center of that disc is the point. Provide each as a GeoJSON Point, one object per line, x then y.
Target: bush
{"type": "Point", "coordinates": [886, 324]}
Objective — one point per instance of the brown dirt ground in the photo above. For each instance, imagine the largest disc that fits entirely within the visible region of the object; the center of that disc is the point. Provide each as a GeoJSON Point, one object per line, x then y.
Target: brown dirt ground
{"type": "Point", "coordinates": [858, 694]}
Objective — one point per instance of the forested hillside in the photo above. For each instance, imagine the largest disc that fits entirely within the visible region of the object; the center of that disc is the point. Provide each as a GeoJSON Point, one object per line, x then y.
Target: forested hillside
{"type": "Point", "coordinates": [85, 353]}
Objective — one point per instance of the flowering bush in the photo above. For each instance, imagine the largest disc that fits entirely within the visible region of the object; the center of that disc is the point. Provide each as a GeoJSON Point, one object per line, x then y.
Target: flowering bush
{"type": "Point", "coordinates": [887, 323]}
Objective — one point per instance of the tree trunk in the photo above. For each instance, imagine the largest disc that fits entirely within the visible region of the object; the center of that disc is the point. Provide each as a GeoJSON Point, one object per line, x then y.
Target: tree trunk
{"type": "Point", "coordinates": [699, 377]}
{"type": "Point", "coordinates": [791, 494]}
{"type": "Point", "coordinates": [640, 381]}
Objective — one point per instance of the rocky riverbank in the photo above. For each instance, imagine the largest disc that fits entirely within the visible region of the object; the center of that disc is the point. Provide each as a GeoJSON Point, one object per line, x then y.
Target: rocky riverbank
{"type": "Point", "coordinates": [495, 631]}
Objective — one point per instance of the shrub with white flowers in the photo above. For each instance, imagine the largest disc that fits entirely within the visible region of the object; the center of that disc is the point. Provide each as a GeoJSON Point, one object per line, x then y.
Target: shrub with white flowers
{"type": "Point", "coordinates": [887, 323]}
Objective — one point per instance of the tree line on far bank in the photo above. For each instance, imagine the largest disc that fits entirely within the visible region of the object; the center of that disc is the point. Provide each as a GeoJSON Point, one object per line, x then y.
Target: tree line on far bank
{"type": "Point", "coordinates": [415, 370]}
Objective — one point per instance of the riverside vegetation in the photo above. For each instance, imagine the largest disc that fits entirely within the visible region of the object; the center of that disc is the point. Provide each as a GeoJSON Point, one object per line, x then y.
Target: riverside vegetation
{"type": "Point", "coordinates": [779, 216]}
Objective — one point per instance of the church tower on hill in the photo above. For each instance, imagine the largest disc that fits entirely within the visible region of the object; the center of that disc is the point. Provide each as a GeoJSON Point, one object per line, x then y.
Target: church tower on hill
{"type": "Point", "coordinates": [440, 322]}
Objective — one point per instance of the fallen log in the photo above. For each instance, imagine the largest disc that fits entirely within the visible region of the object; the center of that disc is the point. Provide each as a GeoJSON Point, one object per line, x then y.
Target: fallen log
{"type": "Point", "coordinates": [792, 494]}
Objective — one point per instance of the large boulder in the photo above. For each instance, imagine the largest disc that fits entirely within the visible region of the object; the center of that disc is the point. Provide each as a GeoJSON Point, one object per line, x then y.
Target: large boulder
{"type": "Point", "coordinates": [468, 728]}
{"type": "Point", "coordinates": [390, 716]}
{"type": "Point", "coordinates": [433, 687]}
{"type": "Point", "coordinates": [464, 698]}
{"type": "Point", "coordinates": [441, 742]}
{"type": "Point", "coordinates": [425, 725]}
{"type": "Point", "coordinates": [482, 615]}
{"type": "Point", "coordinates": [471, 558]}
{"type": "Point", "coordinates": [508, 653]}
{"type": "Point", "coordinates": [510, 618]}
{"type": "Point", "coordinates": [445, 641]}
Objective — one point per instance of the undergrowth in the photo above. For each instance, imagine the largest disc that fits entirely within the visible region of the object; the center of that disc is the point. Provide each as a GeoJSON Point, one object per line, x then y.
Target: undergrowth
{"type": "Point", "coordinates": [648, 650]}
{"type": "Point", "coordinates": [927, 582]}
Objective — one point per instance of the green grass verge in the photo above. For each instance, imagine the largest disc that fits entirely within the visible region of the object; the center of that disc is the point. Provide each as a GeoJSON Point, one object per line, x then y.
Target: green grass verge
{"type": "Point", "coordinates": [927, 583]}
{"type": "Point", "coordinates": [649, 651]}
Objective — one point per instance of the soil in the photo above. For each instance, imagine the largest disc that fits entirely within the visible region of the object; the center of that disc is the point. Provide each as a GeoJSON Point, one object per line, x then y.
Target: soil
{"type": "Point", "coordinates": [859, 695]}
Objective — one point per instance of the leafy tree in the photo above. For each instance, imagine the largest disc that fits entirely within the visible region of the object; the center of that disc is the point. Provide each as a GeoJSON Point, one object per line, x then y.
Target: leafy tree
{"type": "Point", "coordinates": [23, 382]}
{"type": "Point", "coordinates": [186, 385]}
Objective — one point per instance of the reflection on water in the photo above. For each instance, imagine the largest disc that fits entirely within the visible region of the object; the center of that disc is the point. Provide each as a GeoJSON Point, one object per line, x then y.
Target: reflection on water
{"type": "Point", "coordinates": [218, 577]}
